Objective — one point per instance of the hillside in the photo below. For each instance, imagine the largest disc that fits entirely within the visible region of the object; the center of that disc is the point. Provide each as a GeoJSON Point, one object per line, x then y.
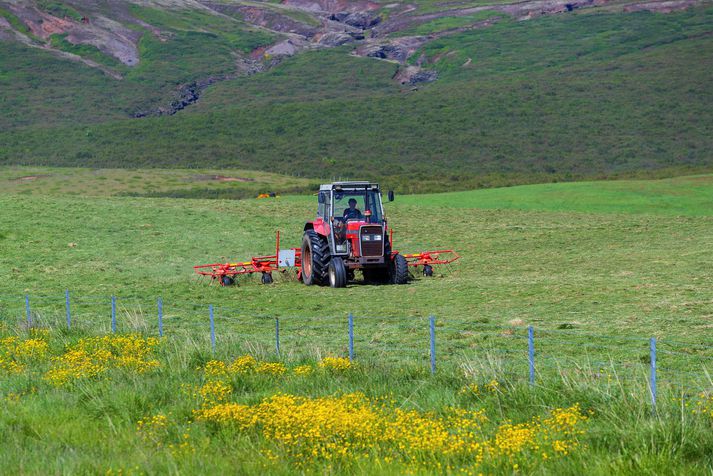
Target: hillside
{"type": "Point", "coordinates": [423, 96]}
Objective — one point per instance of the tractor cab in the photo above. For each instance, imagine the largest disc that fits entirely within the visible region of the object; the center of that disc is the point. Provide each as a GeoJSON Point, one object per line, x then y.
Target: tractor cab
{"type": "Point", "coordinates": [363, 208]}
{"type": "Point", "coordinates": [346, 209]}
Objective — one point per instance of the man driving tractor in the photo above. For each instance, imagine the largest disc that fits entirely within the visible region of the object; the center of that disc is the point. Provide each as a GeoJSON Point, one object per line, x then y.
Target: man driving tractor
{"type": "Point", "coordinates": [352, 212]}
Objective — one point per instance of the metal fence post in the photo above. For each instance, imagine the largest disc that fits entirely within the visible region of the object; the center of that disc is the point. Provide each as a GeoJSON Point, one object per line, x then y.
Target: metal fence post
{"type": "Point", "coordinates": [652, 348]}
{"type": "Point", "coordinates": [432, 321]}
{"type": "Point", "coordinates": [27, 310]}
{"type": "Point", "coordinates": [160, 317]}
{"type": "Point", "coordinates": [531, 353]}
{"type": "Point", "coordinates": [277, 336]}
{"type": "Point", "coordinates": [113, 314]}
{"type": "Point", "coordinates": [66, 305]}
{"type": "Point", "coordinates": [351, 337]}
{"type": "Point", "coordinates": [212, 329]}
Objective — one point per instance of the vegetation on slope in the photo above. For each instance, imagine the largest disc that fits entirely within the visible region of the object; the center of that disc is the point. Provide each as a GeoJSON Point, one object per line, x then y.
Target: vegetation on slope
{"type": "Point", "coordinates": [556, 98]}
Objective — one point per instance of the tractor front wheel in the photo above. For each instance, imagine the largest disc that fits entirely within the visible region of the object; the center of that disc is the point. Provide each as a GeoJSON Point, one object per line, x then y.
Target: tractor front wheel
{"type": "Point", "coordinates": [337, 273]}
{"type": "Point", "coordinates": [398, 270]}
{"type": "Point", "coordinates": [315, 258]}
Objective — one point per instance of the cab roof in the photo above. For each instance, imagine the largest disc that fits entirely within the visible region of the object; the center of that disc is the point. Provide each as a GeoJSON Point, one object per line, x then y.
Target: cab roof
{"type": "Point", "coordinates": [349, 185]}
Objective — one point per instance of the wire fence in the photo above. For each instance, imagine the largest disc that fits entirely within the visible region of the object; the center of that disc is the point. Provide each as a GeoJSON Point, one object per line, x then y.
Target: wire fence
{"type": "Point", "coordinates": [436, 343]}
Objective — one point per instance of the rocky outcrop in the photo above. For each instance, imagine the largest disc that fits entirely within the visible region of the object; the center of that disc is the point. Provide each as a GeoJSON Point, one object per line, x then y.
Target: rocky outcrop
{"type": "Point", "coordinates": [398, 49]}
{"type": "Point", "coordinates": [334, 38]}
{"type": "Point", "coordinates": [413, 75]}
{"type": "Point", "coordinates": [361, 20]}
{"type": "Point", "coordinates": [333, 6]}
{"type": "Point", "coordinates": [107, 35]}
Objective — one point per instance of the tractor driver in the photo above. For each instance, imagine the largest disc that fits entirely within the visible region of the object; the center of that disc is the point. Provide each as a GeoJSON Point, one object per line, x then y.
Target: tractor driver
{"type": "Point", "coordinates": [352, 212]}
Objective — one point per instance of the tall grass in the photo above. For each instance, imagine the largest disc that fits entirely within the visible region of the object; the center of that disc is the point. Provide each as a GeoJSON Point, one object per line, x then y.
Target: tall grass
{"type": "Point", "coordinates": [92, 425]}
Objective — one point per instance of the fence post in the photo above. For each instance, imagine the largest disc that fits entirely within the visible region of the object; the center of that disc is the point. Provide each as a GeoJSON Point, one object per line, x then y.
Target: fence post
{"type": "Point", "coordinates": [160, 317]}
{"type": "Point", "coordinates": [351, 337]}
{"type": "Point", "coordinates": [652, 347]}
{"type": "Point", "coordinates": [277, 336]}
{"type": "Point", "coordinates": [212, 329]}
{"type": "Point", "coordinates": [531, 353]}
{"type": "Point", "coordinates": [432, 321]}
{"type": "Point", "coordinates": [27, 310]}
{"type": "Point", "coordinates": [113, 314]}
{"type": "Point", "coordinates": [66, 305]}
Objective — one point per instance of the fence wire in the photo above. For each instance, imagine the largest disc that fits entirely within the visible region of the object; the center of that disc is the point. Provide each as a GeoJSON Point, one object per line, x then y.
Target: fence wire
{"type": "Point", "coordinates": [475, 348]}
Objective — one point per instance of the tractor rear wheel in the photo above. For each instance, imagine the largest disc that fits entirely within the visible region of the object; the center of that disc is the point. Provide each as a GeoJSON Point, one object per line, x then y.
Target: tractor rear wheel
{"type": "Point", "coordinates": [398, 270]}
{"type": "Point", "coordinates": [315, 258]}
{"type": "Point", "coordinates": [337, 273]}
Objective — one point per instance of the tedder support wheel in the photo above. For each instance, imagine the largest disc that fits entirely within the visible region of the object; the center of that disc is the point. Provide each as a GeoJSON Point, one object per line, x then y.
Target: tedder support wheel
{"type": "Point", "coordinates": [227, 280]}
{"type": "Point", "coordinates": [315, 258]}
{"type": "Point", "coordinates": [266, 278]}
{"type": "Point", "coordinates": [398, 270]}
{"type": "Point", "coordinates": [427, 270]}
{"type": "Point", "coordinates": [337, 273]}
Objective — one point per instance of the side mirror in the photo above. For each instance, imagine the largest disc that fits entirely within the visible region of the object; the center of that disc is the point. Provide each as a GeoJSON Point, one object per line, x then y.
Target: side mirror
{"type": "Point", "coordinates": [321, 198]}
{"type": "Point", "coordinates": [391, 195]}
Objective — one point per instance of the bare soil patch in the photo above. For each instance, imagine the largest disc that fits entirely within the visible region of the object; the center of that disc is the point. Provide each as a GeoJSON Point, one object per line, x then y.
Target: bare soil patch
{"type": "Point", "coordinates": [28, 178]}
{"type": "Point", "coordinates": [219, 178]}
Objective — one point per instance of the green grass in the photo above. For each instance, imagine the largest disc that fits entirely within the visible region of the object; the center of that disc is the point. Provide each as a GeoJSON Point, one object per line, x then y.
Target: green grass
{"type": "Point", "coordinates": [47, 429]}
{"type": "Point", "coordinates": [682, 196]}
{"type": "Point", "coordinates": [513, 115]}
{"type": "Point", "coordinates": [195, 183]}
{"type": "Point", "coordinates": [237, 34]}
{"type": "Point", "coordinates": [597, 268]}
{"type": "Point", "coordinates": [448, 23]}
{"type": "Point", "coordinates": [643, 273]}
{"type": "Point", "coordinates": [570, 41]}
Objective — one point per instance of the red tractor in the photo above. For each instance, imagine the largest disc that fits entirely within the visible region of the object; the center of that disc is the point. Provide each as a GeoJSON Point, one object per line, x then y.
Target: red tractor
{"type": "Point", "coordinates": [350, 233]}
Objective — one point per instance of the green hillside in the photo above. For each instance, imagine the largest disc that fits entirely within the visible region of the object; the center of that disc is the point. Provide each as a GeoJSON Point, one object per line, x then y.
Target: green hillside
{"type": "Point", "coordinates": [564, 97]}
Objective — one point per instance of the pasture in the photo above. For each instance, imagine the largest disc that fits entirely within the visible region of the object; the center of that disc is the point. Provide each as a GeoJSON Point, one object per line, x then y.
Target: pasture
{"type": "Point", "coordinates": [626, 259]}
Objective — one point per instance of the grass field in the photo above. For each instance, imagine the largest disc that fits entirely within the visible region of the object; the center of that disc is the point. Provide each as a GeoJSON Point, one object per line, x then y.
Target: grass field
{"type": "Point", "coordinates": [579, 261]}
{"type": "Point", "coordinates": [182, 183]}
{"type": "Point", "coordinates": [629, 259]}
{"type": "Point", "coordinates": [618, 255]}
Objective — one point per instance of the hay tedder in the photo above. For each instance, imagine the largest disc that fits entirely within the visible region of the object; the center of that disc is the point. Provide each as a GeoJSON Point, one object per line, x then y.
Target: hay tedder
{"type": "Point", "coordinates": [341, 240]}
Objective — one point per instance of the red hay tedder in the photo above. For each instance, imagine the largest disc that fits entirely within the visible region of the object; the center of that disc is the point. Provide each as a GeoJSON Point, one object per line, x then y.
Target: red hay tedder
{"type": "Point", "coordinates": [341, 240]}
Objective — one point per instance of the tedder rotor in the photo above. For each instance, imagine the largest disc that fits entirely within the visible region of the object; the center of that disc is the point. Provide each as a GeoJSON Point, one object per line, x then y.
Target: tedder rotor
{"type": "Point", "coordinates": [350, 233]}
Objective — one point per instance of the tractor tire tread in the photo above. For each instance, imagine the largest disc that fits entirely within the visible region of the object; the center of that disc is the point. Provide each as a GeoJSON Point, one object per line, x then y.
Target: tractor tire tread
{"type": "Point", "coordinates": [320, 256]}
{"type": "Point", "coordinates": [399, 270]}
